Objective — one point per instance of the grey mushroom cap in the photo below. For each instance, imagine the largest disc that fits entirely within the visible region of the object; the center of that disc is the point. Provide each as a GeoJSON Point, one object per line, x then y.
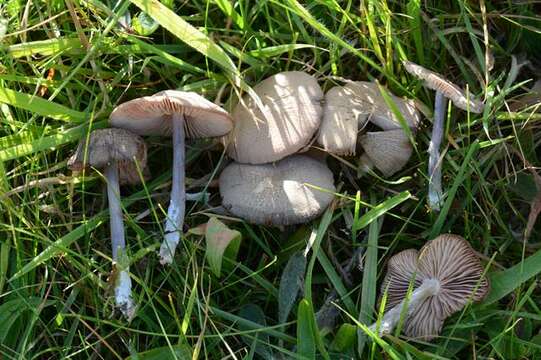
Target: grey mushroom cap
{"type": "Point", "coordinates": [389, 151]}
{"type": "Point", "coordinates": [294, 190]}
{"type": "Point", "coordinates": [451, 91]}
{"type": "Point", "coordinates": [449, 259]}
{"type": "Point", "coordinates": [290, 117]}
{"type": "Point", "coordinates": [348, 108]}
{"type": "Point", "coordinates": [151, 115]}
{"type": "Point", "coordinates": [106, 145]}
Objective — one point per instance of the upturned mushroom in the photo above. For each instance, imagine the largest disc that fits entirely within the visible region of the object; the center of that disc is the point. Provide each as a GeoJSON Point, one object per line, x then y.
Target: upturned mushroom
{"type": "Point", "coordinates": [285, 123]}
{"type": "Point", "coordinates": [444, 90]}
{"type": "Point", "coordinates": [177, 114]}
{"type": "Point", "coordinates": [291, 191]}
{"type": "Point", "coordinates": [349, 108]}
{"type": "Point", "coordinates": [446, 274]}
{"type": "Point", "coordinates": [119, 153]}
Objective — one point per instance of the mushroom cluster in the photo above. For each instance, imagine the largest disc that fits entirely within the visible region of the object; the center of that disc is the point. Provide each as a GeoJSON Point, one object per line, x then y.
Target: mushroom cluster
{"type": "Point", "coordinates": [446, 274]}
{"type": "Point", "coordinates": [348, 109]}
{"type": "Point", "coordinates": [268, 183]}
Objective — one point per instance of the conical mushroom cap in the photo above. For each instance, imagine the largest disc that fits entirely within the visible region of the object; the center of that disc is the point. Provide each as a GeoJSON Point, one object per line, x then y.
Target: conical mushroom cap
{"type": "Point", "coordinates": [449, 259]}
{"type": "Point", "coordinates": [451, 91]}
{"type": "Point", "coordinates": [344, 113]}
{"type": "Point", "coordinates": [278, 193]}
{"type": "Point", "coordinates": [292, 114]}
{"type": "Point", "coordinates": [151, 115]}
{"type": "Point", "coordinates": [107, 145]}
{"type": "Point", "coordinates": [389, 151]}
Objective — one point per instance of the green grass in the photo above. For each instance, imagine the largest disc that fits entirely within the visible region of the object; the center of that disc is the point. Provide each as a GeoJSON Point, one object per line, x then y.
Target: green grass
{"type": "Point", "coordinates": [55, 298]}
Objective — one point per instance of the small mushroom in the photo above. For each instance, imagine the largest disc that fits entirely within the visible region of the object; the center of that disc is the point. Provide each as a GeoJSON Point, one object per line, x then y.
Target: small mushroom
{"type": "Point", "coordinates": [389, 151]}
{"type": "Point", "coordinates": [347, 110]}
{"type": "Point", "coordinates": [290, 116]}
{"type": "Point", "coordinates": [291, 191]}
{"type": "Point", "coordinates": [444, 90]}
{"type": "Point", "coordinates": [177, 114]}
{"type": "Point", "coordinates": [446, 275]}
{"type": "Point", "coordinates": [118, 152]}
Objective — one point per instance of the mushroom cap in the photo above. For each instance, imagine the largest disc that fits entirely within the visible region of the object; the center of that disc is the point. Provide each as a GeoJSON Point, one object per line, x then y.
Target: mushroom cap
{"type": "Point", "coordinates": [279, 193]}
{"type": "Point", "coordinates": [449, 259]}
{"type": "Point", "coordinates": [348, 108]}
{"type": "Point", "coordinates": [344, 113]}
{"type": "Point", "coordinates": [437, 82]}
{"type": "Point", "coordinates": [389, 151]}
{"type": "Point", "coordinates": [151, 115]}
{"type": "Point", "coordinates": [106, 145]}
{"type": "Point", "coordinates": [290, 117]}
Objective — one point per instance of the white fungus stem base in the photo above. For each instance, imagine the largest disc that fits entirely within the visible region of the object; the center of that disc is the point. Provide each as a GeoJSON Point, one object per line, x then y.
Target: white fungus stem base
{"type": "Point", "coordinates": [429, 287]}
{"type": "Point", "coordinates": [122, 287]}
{"type": "Point", "coordinates": [435, 191]}
{"type": "Point", "coordinates": [177, 204]}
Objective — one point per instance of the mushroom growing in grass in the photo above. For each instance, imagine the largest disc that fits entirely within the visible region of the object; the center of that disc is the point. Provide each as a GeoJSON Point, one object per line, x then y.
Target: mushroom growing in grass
{"type": "Point", "coordinates": [446, 274]}
{"type": "Point", "coordinates": [291, 191]}
{"type": "Point", "coordinates": [177, 114]}
{"type": "Point", "coordinates": [119, 153]}
{"type": "Point", "coordinates": [444, 90]}
{"type": "Point", "coordinates": [346, 112]}
{"type": "Point", "coordinates": [289, 118]}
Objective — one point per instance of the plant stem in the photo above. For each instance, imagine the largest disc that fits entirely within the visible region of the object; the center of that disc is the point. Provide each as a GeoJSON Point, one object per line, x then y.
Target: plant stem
{"type": "Point", "coordinates": [435, 192]}
{"type": "Point", "coordinates": [122, 281]}
{"type": "Point", "coordinates": [177, 204]}
{"type": "Point", "coordinates": [429, 287]}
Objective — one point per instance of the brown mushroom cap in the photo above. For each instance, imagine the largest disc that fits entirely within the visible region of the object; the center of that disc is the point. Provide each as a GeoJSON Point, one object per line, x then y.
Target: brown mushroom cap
{"type": "Point", "coordinates": [292, 114]}
{"type": "Point", "coordinates": [449, 259]}
{"type": "Point", "coordinates": [151, 115]}
{"type": "Point", "coordinates": [348, 108]}
{"type": "Point", "coordinates": [106, 145]}
{"type": "Point", "coordinates": [388, 151]}
{"type": "Point", "coordinates": [451, 91]}
{"type": "Point", "coordinates": [277, 194]}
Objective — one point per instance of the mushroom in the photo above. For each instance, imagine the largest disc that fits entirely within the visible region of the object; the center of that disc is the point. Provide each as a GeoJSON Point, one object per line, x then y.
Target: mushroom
{"type": "Point", "coordinates": [446, 275]}
{"type": "Point", "coordinates": [347, 110]}
{"type": "Point", "coordinates": [388, 151]}
{"type": "Point", "coordinates": [287, 121]}
{"type": "Point", "coordinates": [444, 90]}
{"type": "Point", "coordinates": [118, 152]}
{"type": "Point", "coordinates": [291, 191]}
{"type": "Point", "coordinates": [177, 114]}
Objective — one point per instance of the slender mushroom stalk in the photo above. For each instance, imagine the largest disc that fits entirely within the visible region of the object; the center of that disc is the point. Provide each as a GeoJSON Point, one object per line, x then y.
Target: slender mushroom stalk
{"type": "Point", "coordinates": [170, 113]}
{"type": "Point", "coordinates": [435, 191]}
{"type": "Point", "coordinates": [444, 89]}
{"type": "Point", "coordinates": [429, 287]}
{"type": "Point", "coordinates": [122, 285]}
{"type": "Point", "coordinates": [177, 205]}
{"type": "Point", "coordinates": [446, 274]}
{"type": "Point", "coordinates": [120, 153]}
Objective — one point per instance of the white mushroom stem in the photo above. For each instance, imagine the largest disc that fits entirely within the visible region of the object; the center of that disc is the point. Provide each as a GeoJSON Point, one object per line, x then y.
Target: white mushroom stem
{"type": "Point", "coordinates": [122, 286]}
{"type": "Point", "coordinates": [435, 192]}
{"type": "Point", "coordinates": [429, 287]}
{"type": "Point", "coordinates": [177, 204]}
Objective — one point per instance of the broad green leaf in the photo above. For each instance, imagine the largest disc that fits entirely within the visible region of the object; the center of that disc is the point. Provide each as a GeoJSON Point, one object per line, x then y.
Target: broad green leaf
{"type": "Point", "coordinates": [306, 343]}
{"type": "Point", "coordinates": [504, 282]}
{"type": "Point", "coordinates": [345, 338]}
{"type": "Point", "coordinates": [144, 25]}
{"type": "Point", "coordinates": [219, 238]}
{"type": "Point", "coordinates": [40, 106]}
{"type": "Point", "coordinates": [291, 283]}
